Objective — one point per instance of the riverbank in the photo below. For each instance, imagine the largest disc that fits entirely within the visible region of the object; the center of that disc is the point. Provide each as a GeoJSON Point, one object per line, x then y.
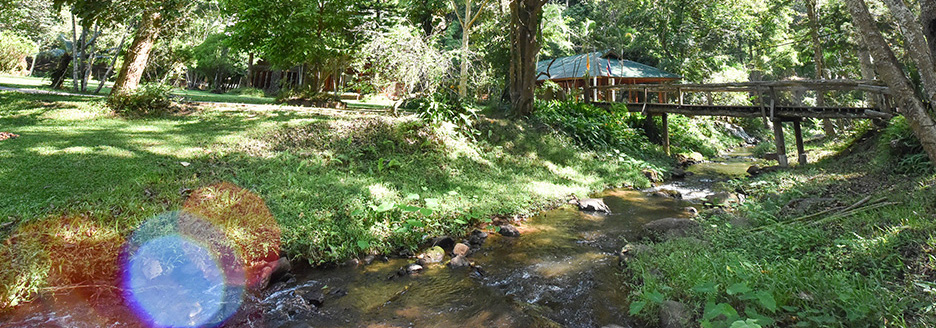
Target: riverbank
{"type": "Point", "coordinates": [320, 185]}
{"type": "Point", "coordinates": [848, 241]}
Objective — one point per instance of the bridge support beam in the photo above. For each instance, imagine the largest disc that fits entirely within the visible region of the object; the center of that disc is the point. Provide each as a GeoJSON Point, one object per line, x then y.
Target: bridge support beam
{"type": "Point", "coordinates": [800, 152]}
{"type": "Point", "coordinates": [781, 144]}
{"type": "Point", "coordinates": [666, 145]}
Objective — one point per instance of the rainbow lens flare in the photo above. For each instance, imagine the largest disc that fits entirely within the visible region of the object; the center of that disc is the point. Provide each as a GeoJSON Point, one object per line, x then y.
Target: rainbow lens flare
{"type": "Point", "coordinates": [180, 272]}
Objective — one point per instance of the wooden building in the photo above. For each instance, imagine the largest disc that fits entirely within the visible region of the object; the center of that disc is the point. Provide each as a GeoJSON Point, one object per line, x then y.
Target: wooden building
{"type": "Point", "coordinates": [574, 74]}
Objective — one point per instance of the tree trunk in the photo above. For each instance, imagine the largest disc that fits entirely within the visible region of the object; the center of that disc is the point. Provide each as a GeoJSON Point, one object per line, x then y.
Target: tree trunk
{"type": "Point", "coordinates": [76, 50]}
{"type": "Point", "coordinates": [889, 70]}
{"type": "Point", "coordinates": [89, 65]}
{"type": "Point", "coordinates": [812, 14]}
{"type": "Point", "coordinates": [463, 77]}
{"type": "Point", "coordinates": [867, 73]}
{"type": "Point", "coordinates": [250, 70]}
{"type": "Point", "coordinates": [524, 23]}
{"type": "Point", "coordinates": [139, 51]}
{"type": "Point", "coordinates": [916, 45]}
{"type": "Point", "coordinates": [110, 68]}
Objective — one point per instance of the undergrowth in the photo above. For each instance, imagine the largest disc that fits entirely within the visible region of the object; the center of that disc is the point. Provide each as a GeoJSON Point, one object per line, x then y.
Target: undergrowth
{"type": "Point", "coordinates": [767, 263]}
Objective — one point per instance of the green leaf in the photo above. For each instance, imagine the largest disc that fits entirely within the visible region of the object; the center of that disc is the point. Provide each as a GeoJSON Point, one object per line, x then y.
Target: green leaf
{"type": "Point", "coordinates": [713, 310]}
{"type": "Point", "coordinates": [357, 212]}
{"type": "Point", "coordinates": [432, 203]}
{"type": "Point", "coordinates": [761, 319]}
{"type": "Point", "coordinates": [739, 288]}
{"type": "Point", "coordinates": [654, 296]}
{"type": "Point", "coordinates": [363, 244]}
{"type": "Point", "coordinates": [425, 211]}
{"type": "Point", "coordinates": [706, 288]}
{"type": "Point", "coordinates": [635, 307]}
{"type": "Point", "coordinates": [460, 221]}
{"type": "Point", "coordinates": [452, 193]}
{"type": "Point", "coordinates": [766, 299]}
{"type": "Point", "coordinates": [383, 207]}
{"type": "Point", "coordinates": [412, 197]}
{"type": "Point", "coordinates": [749, 323]}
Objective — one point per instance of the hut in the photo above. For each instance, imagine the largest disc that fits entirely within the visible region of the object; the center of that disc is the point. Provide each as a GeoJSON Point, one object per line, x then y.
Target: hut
{"type": "Point", "coordinates": [600, 68]}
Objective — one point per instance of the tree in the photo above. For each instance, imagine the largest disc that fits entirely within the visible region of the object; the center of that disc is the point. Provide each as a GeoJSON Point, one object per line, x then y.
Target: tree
{"type": "Point", "coordinates": [467, 22]}
{"type": "Point", "coordinates": [811, 8]}
{"type": "Point", "coordinates": [154, 16]}
{"type": "Point", "coordinates": [524, 46]}
{"type": "Point", "coordinates": [321, 35]}
{"type": "Point", "coordinates": [914, 109]}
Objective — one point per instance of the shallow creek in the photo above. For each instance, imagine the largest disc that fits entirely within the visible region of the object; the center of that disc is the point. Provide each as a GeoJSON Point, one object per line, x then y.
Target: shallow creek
{"type": "Point", "coordinates": [563, 270]}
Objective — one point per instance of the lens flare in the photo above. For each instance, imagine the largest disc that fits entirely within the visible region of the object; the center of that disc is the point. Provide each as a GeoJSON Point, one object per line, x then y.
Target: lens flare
{"type": "Point", "coordinates": [181, 272]}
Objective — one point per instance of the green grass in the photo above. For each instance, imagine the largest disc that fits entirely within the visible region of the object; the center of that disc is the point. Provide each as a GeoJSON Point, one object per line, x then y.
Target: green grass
{"type": "Point", "coordinates": [873, 268]}
{"type": "Point", "coordinates": [327, 179]}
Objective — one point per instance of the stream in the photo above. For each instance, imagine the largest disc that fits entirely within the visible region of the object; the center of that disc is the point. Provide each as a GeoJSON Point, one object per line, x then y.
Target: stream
{"type": "Point", "coordinates": [562, 271]}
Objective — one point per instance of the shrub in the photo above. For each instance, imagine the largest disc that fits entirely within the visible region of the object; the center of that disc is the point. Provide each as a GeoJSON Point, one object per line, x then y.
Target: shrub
{"type": "Point", "coordinates": [901, 150]}
{"type": "Point", "coordinates": [13, 51]}
{"type": "Point", "coordinates": [148, 100]}
{"type": "Point", "coordinates": [593, 127]}
{"type": "Point", "coordinates": [247, 91]}
{"type": "Point", "coordinates": [444, 108]}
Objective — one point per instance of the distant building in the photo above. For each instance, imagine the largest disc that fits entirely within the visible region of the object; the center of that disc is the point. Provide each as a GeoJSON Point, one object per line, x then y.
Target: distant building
{"type": "Point", "coordinates": [603, 68]}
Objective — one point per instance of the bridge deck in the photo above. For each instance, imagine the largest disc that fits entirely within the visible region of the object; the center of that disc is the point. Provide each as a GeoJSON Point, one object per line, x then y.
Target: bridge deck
{"type": "Point", "coordinates": [779, 112]}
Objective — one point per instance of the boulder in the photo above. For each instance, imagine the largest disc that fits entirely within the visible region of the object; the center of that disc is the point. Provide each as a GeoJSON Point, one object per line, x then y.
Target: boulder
{"type": "Point", "coordinates": [461, 249]}
{"type": "Point", "coordinates": [723, 199]}
{"type": "Point", "coordinates": [312, 295]}
{"type": "Point", "coordinates": [678, 173]}
{"type": "Point", "coordinates": [674, 315]}
{"type": "Point", "coordinates": [671, 227]}
{"type": "Point", "coordinates": [477, 238]}
{"type": "Point", "coordinates": [280, 269]}
{"type": "Point", "coordinates": [445, 242]}
{"type": "Point", "coordinates": [692, 211]}
{"type": "Point", "coordinates": [459, 261]}
{"type": "Point", "coordinates": [652, 175]}
{"type": "Point", "coordinates": [434, 254]}
{"type": "Point", "coordinates": [753, 170]}
{"type": "Point", "coordinates": [630, 250]}
{"type": "Point", "coordinates": [667, 193]}
{"type": "Point", "coordinates": [410, 269]}
{"type": "Point", "coordinates": [593, 205]}
{"type": "Point", "coordinates": [508, 230]}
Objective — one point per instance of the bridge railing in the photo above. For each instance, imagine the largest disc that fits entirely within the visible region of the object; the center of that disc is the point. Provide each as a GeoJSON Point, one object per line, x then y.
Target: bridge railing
{"type": "Point", "coordinates": [876, 94]}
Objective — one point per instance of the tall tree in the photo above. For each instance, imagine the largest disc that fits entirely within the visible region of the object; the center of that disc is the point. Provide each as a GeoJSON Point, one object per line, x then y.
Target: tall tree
{"type": "Point", "coordinates": [524, 46]}
{"type": "Point", "coordinates": [812, 7]}
{"type": "Point", "coordinates": [467, 22]}
{"type": "Point", "coordinates": [889, 69]}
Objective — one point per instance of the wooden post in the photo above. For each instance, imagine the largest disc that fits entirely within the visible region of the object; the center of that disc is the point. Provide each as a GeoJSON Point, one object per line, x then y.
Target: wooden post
{"type": "Point", "coordinates": [681, 96]}
{"type": "Point", "coordinates": [595, 91]}
{"type": "Point", "coordinates": [800, 152]}
{"type": "Point", "coordinates": [781, 145]}
{"type": "Point", "coordinates": [666, 145]}
{"type": "Point", "coordinates": [613, 91]}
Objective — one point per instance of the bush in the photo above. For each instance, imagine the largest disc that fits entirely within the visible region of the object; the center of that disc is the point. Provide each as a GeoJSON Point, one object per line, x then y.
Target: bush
{"type": "Point", "coordinates": [902, 151]}
{"type": "Point", "coordinates": [247, 91]}
{"type": "Point", "coordinates": [593, 127]}
{"type": "Point", "coordinates": [13, 52]}
{"type": "Point", "coordinates": [444, 107]}
{"type": "Point", "coordinates": [148, 100]}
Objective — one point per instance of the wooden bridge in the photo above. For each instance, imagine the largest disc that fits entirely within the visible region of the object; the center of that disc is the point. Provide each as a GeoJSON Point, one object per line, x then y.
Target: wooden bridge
{"type": "Point", "coordinates": [663, 99]}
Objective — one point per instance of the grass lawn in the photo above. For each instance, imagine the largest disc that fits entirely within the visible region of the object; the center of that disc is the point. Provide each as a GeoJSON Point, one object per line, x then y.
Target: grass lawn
{"type": "Point", "coordinates": [190, 95]}
{"type": "Point", "coordinates": [338, 185]}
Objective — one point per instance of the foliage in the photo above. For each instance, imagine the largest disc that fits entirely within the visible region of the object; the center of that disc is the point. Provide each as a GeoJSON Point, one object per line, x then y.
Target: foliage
{"type": "Point", "coordinates": [246, 91]}
{"type": "Point", "coordinates": [445, 107]}
{"type": "Point", "coordinates": [150, 99]}
{"type": "Point", "coordinates": [13, 51]}
{"type": "Point", "coordinates": [400, 57]}
{"type": "Point", "coordinates": [855, 271]}
{"type": "Point", "coordinates": [214, 60]}
{"type": "Point", "coordinates": [595, 128]}
{"type": "Point", "coordinates": [901, 150]}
